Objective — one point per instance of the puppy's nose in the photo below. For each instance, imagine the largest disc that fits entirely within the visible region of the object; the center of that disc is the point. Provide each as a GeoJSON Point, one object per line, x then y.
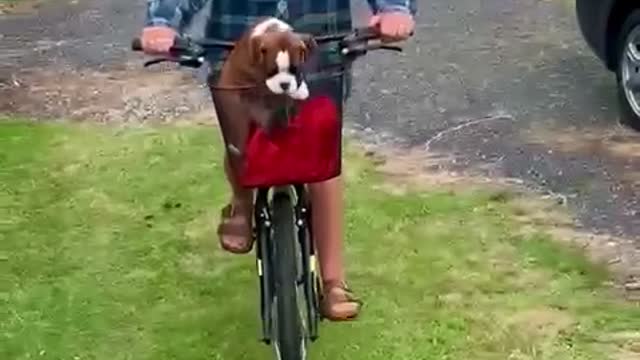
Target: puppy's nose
{"type": "Point", "coordinates": [285, 86]}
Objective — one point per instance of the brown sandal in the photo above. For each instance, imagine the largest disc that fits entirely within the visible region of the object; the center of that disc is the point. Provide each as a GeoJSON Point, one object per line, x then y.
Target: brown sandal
{"type": "Point", "coordinates": [338, 302]}
{"type": "Point", "coordinates": [234, 231]}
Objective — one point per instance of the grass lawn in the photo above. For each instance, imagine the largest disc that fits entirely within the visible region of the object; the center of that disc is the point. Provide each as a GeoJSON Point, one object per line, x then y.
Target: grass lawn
{"type": "Point", "coordinates": [108, 251]}
{"type": "Point", "coordinates": [13, 2]}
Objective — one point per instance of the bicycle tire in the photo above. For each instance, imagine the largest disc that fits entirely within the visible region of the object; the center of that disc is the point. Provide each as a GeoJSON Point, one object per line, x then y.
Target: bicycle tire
{"type": "Point", "coordinates": [290, 343]}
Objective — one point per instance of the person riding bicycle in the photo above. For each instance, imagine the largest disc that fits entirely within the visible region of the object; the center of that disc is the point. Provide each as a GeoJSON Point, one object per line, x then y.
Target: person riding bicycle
{"type": "Point", "coordinates": [228, 20]}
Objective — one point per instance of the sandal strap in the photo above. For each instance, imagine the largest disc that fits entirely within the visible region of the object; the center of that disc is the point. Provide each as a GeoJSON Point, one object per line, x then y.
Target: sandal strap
{"type": "Point", "coordinates": [234, 222]}
{"type": "Point", "coordinates": [232, 210]}
{"type": "Point", "coordinates": [335, 295]}
{"type": "Point", "coordinates": [344, 295]}
{"type": "Point", "coordinates": [331, 284]}
{"type": "Point", "coordinates": [229, 227]}
{"type": "Point", "coordinates": [232, 229]}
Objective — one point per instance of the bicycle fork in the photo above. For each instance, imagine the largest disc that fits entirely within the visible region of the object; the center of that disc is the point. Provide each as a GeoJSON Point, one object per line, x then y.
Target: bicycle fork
{"type": "Point", "coordinates": [308, 275]}
{"type": "Point", "coordinates": [262, 235]}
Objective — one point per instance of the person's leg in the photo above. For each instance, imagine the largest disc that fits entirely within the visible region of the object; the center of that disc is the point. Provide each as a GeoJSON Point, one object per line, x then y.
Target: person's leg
{"type": "Point", "coordinates": [328, 214]}
{"type": "Point", "coordinates": [327, 200]}
{"type": "Point", "coordinates": [235, 223]}
{"type": "Point", "coordinates": [234, 229]}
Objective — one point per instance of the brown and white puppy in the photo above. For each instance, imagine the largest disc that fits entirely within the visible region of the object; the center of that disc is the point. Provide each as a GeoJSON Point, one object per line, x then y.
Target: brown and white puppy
{"type": "Point", "coordinates": [269, 55]}
{"type": "Point", "coordinates": [267, 63]}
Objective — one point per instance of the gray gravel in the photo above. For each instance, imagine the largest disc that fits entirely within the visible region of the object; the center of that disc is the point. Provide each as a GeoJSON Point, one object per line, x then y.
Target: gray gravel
{"type": "Point", "coordinates": [509, 86]}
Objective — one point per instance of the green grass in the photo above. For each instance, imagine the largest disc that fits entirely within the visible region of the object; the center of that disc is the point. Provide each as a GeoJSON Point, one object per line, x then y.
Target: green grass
{"type": "Point", "coordinates": [108, 251]}
{"type": "Point", "coordinates": [10, 2]}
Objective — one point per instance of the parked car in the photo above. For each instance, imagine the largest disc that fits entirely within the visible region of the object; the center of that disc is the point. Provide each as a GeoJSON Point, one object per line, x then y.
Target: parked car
{"type": "Point", "coordinates": [612, 30]}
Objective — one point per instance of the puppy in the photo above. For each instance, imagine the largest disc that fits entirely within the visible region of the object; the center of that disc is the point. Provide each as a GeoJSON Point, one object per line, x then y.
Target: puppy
{"type": "Point", "coordinates": [268, 60]}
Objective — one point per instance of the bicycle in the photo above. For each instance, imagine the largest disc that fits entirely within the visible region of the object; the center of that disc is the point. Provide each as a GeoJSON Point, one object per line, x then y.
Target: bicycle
{"type": "Point", "coordinates": [290, 285]}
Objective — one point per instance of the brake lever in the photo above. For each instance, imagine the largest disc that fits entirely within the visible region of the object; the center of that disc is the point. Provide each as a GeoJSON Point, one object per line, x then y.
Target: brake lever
{"type": "Point", "coordinates": [364, 48]}
{"type": "Point", "coordinates": [156, 61]}
{"type": "Point", "coordinates": [185, 44]}
{"type": "Point", "coordinates": [184, 52]}
{"type": "Point", "coordinates": [390, 47]}
{"type": "Point", "coordinates": [186, 61]}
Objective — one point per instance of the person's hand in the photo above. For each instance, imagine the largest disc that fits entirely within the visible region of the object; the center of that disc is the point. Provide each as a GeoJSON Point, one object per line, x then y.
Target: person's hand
{"type": "Point", "coordinates": [393, 26]}
{"type": "Point", "coordinates": [157, 39]}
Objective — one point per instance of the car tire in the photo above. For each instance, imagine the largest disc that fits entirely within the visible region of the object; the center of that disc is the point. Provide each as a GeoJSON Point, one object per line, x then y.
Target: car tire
{"type": "Point", "coordinates": [629, 30]}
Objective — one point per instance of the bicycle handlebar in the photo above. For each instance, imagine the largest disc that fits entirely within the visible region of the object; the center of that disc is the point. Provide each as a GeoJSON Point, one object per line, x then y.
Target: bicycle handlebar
{"type": "Point", "coordinates": [191, 52]}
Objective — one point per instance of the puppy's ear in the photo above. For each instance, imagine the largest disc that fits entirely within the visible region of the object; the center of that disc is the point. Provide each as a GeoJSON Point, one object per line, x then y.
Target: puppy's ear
{"type": "Point", "coordinates": [257, 49]}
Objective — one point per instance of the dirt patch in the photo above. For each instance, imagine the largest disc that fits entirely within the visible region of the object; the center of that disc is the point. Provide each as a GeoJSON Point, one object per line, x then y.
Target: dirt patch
{"type": "Point", "coordinates": [627, 344]}
{"type": "Point", "coordinates": [129, 94]}
{"type": "Point", "coordinates": [404, 170]}
{"type": "Point", "coordinates": [620, 255]}
{"type": "Point", "coordinates": [22, 7]}
{"type": "Point", "coordinates": [542, 322]}
{"type": "Point", "coordinates": [632, 177]}
{"type": "Point", "coordinates": [611, 142]}
{"type": "Point", "coordinates": [414, 168]}
{"type": "Point", "coordinates": [19, 6]}
{"type": "Point", "coordinates": [627, 355]}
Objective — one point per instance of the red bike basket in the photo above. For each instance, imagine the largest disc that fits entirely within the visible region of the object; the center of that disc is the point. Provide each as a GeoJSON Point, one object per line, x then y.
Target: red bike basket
{"type": "Point", "coordinates": [305, 150]}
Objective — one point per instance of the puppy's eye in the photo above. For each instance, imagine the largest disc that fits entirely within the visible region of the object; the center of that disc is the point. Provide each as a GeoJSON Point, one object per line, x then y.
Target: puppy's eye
{"type": "Point", "coordinates": [293, 69]}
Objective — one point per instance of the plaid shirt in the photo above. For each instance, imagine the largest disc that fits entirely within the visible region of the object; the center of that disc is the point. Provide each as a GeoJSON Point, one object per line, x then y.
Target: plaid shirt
{"type": "Point", "coordinates": [229, 19]}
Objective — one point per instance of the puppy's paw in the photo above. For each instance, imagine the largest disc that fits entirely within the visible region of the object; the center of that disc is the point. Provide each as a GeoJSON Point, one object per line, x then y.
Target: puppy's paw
{"type": "Point", "coordinates": [301, 93]}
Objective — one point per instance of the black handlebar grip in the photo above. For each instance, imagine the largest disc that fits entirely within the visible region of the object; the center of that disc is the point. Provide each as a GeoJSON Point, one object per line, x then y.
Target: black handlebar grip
{"type": "Point", "coordinates": [136, 44]}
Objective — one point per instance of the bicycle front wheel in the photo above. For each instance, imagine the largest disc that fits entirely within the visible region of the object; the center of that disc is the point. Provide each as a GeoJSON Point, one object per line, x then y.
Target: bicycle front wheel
{"type": "Point", "coordinates": [290, 343]}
